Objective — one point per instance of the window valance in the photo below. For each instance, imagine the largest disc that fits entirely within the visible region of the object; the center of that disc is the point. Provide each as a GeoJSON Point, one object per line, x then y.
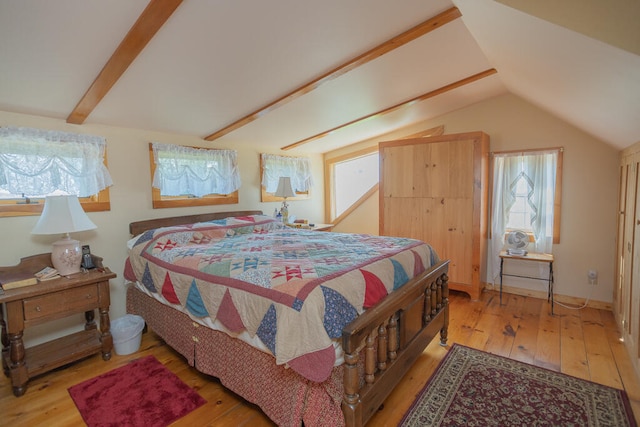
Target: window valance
{"type": "Point", "coordinates": [37, 162]}
{"type": "Point", "coordinates": [194, 171]}
{"type": "Point", "coordinates": [297, 168]}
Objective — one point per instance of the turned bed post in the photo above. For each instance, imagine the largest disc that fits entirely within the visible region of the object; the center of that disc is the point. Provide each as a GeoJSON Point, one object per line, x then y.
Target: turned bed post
{"type": "Point", "coordinates": [351, 401]}
{"type": "Point", "coordinates": [443, 284]}
{"type": "Point", "coordinates": [383, 347]}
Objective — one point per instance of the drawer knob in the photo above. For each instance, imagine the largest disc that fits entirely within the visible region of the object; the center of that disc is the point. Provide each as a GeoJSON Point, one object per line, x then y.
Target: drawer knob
{"type": "Point", "coordinates": [89, 296]}
{"type": "Point", "coordinates": [38, 309]}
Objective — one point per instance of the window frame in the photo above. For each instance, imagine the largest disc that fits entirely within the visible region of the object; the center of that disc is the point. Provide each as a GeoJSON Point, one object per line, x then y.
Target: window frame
{"type": "Point", "coordinates": [158, 201]}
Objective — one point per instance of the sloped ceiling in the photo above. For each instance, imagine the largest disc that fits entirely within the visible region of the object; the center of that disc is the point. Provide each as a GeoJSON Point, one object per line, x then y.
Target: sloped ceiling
{"type": "Point", "coordinates": [213, 63]}
{"type": "Point", "coordinates": [591, 84]}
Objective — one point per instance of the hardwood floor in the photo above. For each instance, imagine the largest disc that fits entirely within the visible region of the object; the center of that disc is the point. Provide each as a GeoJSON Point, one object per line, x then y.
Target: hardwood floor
{"type": "Point", "coordinates": [583, 343]}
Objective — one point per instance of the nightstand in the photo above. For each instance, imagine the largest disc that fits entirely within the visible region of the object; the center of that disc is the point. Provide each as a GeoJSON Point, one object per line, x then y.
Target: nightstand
{"type": "Point", "coordinates": [531, 256]}
{"type": "Point", "coordinates": [315, 227]}
{"type": "Point", "coordinates": [322, 227]}
{"type": "Point", "coordinates": [49, 300]}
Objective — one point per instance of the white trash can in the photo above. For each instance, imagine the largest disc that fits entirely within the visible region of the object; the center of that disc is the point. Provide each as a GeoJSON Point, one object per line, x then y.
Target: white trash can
{"type": "Point", "coordinates": [127, 333]}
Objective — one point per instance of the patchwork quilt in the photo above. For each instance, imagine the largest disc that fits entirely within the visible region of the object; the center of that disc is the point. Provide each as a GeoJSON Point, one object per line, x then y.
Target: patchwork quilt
{"type": "Point", "coordinates": [294, 289]}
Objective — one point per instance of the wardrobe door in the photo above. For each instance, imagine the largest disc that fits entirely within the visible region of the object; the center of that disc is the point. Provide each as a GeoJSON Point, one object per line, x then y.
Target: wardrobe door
{"type": "Point", "coordinates": [620, 250]}
{"type": "Point", "coordinates": [455, 161]}
{"type": "Point", "coordinates": [631, 288]}
{"type": "Point", "coordinates": [626, 302]}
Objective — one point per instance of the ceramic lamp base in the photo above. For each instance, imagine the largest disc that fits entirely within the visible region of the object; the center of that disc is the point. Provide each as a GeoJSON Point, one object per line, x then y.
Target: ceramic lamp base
{"type": "Point", "coordinates": [66, 256]}
{"type": "Point", "coordinates": [285, 212]}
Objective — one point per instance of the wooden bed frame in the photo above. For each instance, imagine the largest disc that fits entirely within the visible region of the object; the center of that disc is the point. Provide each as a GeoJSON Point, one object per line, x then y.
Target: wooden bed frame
{"type": "Point", "coordinates": [379, 346]}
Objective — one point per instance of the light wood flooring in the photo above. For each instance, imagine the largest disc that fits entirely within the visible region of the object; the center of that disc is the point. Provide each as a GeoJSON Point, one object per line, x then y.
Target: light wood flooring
{"type": "Point", "coordinates": [583, 343]}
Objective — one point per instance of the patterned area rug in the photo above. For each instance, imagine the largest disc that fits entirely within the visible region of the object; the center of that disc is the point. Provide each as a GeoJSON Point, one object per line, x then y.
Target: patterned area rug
{"type": "Point", "coordinates": [142, 393]}
{"type": "Point", "coordinates": [474, 388]}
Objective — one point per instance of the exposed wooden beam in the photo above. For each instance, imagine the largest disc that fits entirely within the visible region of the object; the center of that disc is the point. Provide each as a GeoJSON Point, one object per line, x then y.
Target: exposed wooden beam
{"type": "Point", "coordinates": [149, 22]}
{"type": "Point", "coordinates": [423, 97]}
{"type": "Point", "coordinates": [394, 43]}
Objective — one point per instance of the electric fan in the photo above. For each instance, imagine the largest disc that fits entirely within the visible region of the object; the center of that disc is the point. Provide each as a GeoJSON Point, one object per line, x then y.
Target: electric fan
{"type": "Point", "coordinates": [517, 242]}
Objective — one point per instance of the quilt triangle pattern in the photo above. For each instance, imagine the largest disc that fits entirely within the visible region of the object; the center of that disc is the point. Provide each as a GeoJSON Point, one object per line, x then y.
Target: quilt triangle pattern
{"type": "Point", "coordinates": [147, 280]}
{"type": "Point", "coordinates": [228, 314]}
{"type": "Point", "coordinates": [375, 289]}
{"type": "Point", "coordinates": [195, 305]}
{"type": "Point", "coordinates": [400, 276]}
{"type": "Point", "coordinates": [338, 312]}
{"type": "Point", "coordinates": [168, 292]}
{"type": "Point", "coordinates": [267, 329]}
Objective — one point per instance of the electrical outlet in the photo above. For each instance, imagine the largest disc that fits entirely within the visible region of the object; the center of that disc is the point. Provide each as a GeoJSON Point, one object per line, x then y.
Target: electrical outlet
{"type": "Point", "coordinates": [592, 275]}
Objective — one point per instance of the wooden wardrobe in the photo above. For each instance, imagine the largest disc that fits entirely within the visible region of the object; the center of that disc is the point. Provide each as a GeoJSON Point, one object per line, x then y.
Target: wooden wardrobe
{"type": "Point", "coordinates": [435, 189]}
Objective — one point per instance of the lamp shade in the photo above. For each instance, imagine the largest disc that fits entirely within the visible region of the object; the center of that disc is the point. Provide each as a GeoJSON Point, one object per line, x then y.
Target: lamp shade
{"type": "Point", "coordinates": [284, 188]}
{"type": "Point", "coordinates": [62, 214]}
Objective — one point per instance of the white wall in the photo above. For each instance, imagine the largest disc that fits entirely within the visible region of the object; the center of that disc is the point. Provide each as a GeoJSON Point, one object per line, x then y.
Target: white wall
{"type": "Point", "coordinates": [364, 219]}
{"type": "Point", "coordinates": [589, 192]}
{"type": "Point", "coordinates": [128, 159]}
{"type": "Point", "coordinates": [614, 22]}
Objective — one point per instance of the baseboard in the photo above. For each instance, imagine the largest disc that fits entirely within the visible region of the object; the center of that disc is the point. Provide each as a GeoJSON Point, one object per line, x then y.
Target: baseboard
{"type": "Point", "coordinates": [564, 299]}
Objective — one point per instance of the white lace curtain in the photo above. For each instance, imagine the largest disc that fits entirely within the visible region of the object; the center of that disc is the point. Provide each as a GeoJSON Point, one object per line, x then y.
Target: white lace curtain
{"type": "Point", "coordinates": [539, 170]}
{"type": "Point", "coordinates": [296, 168]}
{"type": "Point", "coordinates": [37, 162]}
{"type": "Point", "coordinates": [184, 170]}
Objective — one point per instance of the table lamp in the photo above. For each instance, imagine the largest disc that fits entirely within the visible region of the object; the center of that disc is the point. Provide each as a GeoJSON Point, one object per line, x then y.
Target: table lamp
{"type": "Point", "coordinates": [285, 190]}
{"type": "Point", "coordinates": [64, 215]}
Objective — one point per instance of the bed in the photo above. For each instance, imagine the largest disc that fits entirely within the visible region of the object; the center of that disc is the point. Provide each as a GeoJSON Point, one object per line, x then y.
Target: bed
{"type": "Point", "coordinates": [315, 328]}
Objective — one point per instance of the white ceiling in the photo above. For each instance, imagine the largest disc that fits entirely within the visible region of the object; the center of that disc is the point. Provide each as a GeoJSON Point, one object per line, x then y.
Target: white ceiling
{"type": "Point", "coordinates": [214, 62]}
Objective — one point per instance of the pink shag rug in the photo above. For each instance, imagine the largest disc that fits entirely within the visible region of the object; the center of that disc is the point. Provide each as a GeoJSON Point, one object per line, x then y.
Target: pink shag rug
{"type": "Point", "coordinates": [142, 393]}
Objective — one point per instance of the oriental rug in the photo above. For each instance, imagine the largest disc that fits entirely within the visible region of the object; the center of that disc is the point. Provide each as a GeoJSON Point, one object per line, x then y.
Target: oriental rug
{"type": "Point", "coordinates": [141, 393]}
{"type": "Point", "coordinates": [474, 388]}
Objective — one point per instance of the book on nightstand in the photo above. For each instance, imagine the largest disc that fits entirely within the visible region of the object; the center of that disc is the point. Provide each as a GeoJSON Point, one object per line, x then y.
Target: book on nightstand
{"type": "Point", "coordinates": [47, 273]}
{"type": "Point", "coordinates": [12, 281]}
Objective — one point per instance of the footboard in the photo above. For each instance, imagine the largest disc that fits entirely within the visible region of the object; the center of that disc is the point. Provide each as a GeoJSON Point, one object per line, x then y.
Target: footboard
{"type": "Point", "coordinates": [391, 336]}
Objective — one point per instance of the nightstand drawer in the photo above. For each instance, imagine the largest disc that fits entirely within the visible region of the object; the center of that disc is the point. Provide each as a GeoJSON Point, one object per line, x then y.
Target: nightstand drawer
{"type": "Point", "coordinates": [71, 300]}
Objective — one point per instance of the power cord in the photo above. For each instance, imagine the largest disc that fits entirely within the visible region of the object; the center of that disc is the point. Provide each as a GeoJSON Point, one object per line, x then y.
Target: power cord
{"type": "Point", "coordinates": [585, 304]}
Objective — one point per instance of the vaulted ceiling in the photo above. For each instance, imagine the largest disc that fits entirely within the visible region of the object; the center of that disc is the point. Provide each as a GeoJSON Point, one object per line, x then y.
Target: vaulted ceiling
{"type": "Point", "coordinates": [312, 77]}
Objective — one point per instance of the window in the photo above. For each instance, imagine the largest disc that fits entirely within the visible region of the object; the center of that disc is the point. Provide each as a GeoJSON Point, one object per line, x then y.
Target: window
{"type": "Point", "coordinates": [361, 173]}
{"type": "Point", "coordinates": [190, 176]}
{"type": "Point", "coordinates": [526, 195]}
{"type": "Point", "coordinates": [273, 167]}
{"type": "Point", "coordinates": [351, 180]}
{"type": "Point", "coordinates": [520, 213]}
{"type": "Point", "coordinates": [35, 163]}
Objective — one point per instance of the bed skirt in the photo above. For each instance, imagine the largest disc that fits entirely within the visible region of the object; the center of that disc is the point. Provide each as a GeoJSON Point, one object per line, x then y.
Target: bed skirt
{"type": "Point", "coordinates": [286, 397]}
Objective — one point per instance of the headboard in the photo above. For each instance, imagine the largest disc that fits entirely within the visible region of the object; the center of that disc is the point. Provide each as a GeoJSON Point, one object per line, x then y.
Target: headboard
{"type": "Point", "coordinates": [139, 227]}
